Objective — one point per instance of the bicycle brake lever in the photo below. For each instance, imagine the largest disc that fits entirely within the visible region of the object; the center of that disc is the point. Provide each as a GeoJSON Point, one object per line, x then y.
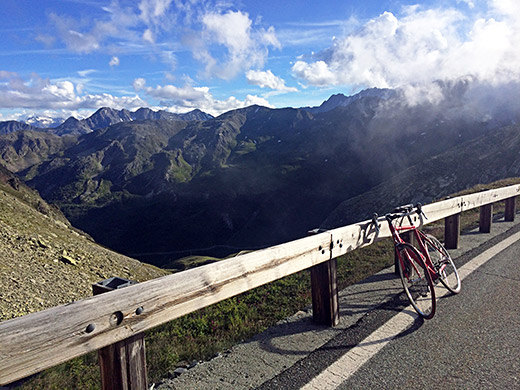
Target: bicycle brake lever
{"type": "Point", "coordinates": [420, 211]}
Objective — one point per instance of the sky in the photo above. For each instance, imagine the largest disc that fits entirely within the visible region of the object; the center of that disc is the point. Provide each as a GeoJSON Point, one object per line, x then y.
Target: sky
{"type": "Point", "coordinates": [71, 57]}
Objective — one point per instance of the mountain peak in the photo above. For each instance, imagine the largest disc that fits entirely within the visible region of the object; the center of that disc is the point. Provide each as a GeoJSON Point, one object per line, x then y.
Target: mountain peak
{"type": "Point", "coordinates": [341, 100]}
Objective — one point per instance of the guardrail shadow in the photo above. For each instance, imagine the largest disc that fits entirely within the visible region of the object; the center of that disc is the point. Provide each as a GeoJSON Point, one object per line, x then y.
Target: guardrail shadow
{"type": "Point", "coordinates": [301, 336]}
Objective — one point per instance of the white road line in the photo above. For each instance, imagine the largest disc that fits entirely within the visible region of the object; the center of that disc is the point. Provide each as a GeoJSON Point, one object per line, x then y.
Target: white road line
{"type": "Point", "coordinates": [348, 364]}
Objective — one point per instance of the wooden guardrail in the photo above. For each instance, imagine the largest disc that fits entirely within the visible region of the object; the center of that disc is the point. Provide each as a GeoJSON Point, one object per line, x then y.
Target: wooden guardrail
{"type": "Point", "coordinates": [41, 340]}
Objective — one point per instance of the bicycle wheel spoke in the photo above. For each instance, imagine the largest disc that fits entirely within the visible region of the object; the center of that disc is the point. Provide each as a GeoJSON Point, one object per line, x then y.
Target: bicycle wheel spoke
{"type": "Point", "coordinates": [443, 264]}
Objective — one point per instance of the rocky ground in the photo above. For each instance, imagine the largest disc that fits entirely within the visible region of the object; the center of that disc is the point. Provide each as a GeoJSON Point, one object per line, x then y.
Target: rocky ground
{"type": "Point", "coordinates": [44, 261]}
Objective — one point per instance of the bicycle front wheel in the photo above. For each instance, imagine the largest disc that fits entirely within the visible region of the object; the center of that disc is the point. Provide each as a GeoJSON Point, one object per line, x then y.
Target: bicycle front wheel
{"type": "Point", "coordinates": [417, 281]}
{"type": "Point", "coordinates": [443, 263]}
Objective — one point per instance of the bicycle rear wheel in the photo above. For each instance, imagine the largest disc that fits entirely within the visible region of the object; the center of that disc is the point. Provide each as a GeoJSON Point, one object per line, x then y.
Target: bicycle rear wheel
{"type": "Point", "coordinates": [417, 281]}
{"type": "Point", "coordinates": [443, 263]}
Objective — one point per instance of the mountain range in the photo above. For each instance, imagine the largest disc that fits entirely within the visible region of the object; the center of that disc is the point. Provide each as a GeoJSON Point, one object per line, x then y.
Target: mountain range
{"type": "Point", "coordinates": [159, 189]}
{"type": "Point", "coordinates": [103, 117]}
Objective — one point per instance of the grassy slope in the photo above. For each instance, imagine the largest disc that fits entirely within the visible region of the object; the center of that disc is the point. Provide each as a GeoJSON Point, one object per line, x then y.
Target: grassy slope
{"type": "Point", "coordinates": [44, 261]}
{"type": "Point", "coordinates": [35, 239]}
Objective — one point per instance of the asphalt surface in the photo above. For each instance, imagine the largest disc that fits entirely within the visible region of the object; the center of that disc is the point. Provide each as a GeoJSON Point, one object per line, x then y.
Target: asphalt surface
{"type": "Point", "coordinates": [473, 342]}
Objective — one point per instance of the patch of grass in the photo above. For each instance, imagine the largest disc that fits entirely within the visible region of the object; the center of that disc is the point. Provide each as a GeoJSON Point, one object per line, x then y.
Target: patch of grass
{"type": "Point", "coordinates": [190, 262]}
{"type": "Point", "coordinates": [245, 147]}
{"type": "Point", "coordinates": [179, 171]}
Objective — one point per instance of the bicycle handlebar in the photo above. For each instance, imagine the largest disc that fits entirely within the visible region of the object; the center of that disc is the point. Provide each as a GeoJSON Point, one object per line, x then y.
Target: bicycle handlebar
{"type": "Point", "coordinates": [399, 212]}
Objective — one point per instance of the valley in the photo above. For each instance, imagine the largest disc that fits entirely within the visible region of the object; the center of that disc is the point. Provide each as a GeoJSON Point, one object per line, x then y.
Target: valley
{"type": "Point", "coordinates": [162, 189]}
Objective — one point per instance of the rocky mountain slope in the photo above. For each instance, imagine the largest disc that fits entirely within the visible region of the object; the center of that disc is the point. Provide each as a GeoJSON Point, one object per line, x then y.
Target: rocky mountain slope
{"type": "Point", "coordinates": [44, 261]}
{"type": "Point", "coordinates": [488, 158]}
{"type": "Point", "coordinates": [106, 116]}
{"type": "Point", "coordinates": [7, 127]}
{"type": "Point", "coordinates": [22, 149]}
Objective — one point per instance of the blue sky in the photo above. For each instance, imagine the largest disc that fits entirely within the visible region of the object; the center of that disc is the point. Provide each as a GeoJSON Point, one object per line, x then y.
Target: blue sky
{"type": "Point", "coordinates": [61, 58]}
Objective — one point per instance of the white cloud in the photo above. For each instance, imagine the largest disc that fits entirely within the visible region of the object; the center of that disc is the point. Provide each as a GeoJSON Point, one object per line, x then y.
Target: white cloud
{"type": "Point", "coordinates": [153, 10]}
{"type": "Point", "coordinates": [39, 93]}
{"type": "Point", "coordinates": [87, 35]}
{"type": "Point", "coordinates": [76, 41]}
{"type": "Point", "coordinates": [269, 38]}
{"type": "Point", "coordinates": [245, 47]}
{"type": "Point", "coordinates": [114, 61]}
{"type": "Point", "coordinates": [469, 3]}
{"type": "Point", "coordinates": [139, 84]}
{"type": "Point", "coordinates": [86, 72]}
{"type": "Point", "coordinates": [224, 41]}
{"type": "Point", "coordinates": [148, 36]}
{"type": "Point", "coordinates": [422, 46]}
{"type": "Point", "coordinates": [268, 80]}
{"type": "Point", "coordinates": [317, 73]}
{"type": "Point", "coordinates": [187, 98]}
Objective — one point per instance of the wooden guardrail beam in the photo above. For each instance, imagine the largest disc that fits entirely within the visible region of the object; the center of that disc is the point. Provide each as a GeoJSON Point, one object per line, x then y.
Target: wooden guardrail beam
{"type": "Point", "coordinates": [37, 341]}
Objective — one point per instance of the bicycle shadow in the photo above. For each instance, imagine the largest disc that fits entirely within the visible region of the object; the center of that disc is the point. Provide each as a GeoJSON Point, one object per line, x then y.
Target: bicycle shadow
{"type": "Point", "coordinates": [290, 337]}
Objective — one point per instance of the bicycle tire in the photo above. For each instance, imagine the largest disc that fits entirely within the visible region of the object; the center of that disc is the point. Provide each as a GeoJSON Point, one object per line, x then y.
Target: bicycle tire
{"type": "Point", "coordinates": [448, 275]}
{"type": "Point", "coordinates": [417, 281]}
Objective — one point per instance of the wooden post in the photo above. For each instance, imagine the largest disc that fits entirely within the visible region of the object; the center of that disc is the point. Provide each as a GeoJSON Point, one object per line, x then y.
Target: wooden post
{"type": "Point", "coordinates": [486, 218]}
{"type": "Point", "coordinates": [510, 209]}
{"type": "Point", "coordinates": [325, 303]}
{"type": "Point", "coordinates": [452, 231]}
{"type": "Point", "coordinates": [122, 364]}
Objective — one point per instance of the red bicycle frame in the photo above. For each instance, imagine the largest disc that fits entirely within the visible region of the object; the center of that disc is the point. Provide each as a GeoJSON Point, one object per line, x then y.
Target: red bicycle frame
{"type": "Point", "coordinates": [420, 238]}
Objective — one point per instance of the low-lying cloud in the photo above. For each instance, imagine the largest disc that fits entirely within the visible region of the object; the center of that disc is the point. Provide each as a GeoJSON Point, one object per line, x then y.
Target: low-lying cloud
{"type": "Point", "coordinates": [187, 98]}
{"type": "Point", "coordinates": [266, 79]}
{"type": "Point", "coordinates": [41, 93]}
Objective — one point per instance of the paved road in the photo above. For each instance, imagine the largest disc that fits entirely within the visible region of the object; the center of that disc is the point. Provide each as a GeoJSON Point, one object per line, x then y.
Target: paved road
{"type": "Point", "coordinates": [473, 342]}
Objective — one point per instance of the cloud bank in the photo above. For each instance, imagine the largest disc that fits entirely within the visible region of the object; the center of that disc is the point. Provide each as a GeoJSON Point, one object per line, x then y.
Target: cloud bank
{"type": "Point", "coordinates": [422, 46]}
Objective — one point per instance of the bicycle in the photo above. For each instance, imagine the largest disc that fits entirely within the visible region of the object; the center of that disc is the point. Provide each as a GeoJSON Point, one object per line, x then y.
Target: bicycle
{"type": "Point", "coordinates": [423, 267]}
